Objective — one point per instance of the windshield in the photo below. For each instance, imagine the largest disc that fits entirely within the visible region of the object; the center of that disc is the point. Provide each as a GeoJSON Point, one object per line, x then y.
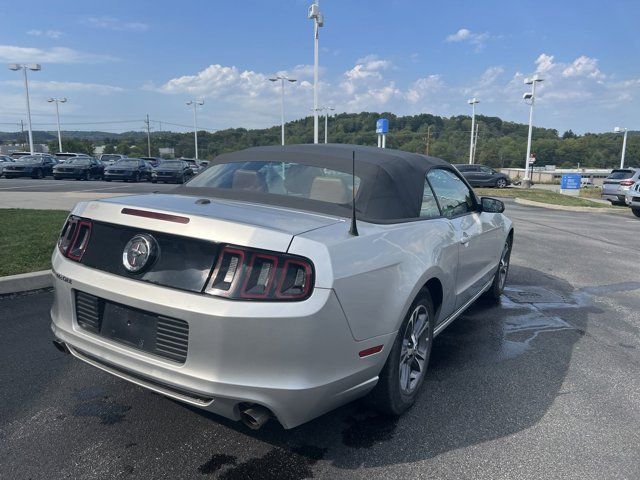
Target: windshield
{"type": "Point", "coordinates": [66, 155]}
{"type": "Point", "coordinates": [621, 174]}
{"type": "Point", "coordinates": [171, 163]}
{"type": "Point", "coordinates": [128, 162]}
{"type": "Point", "coordinates": [79, 161]}
{"type": "Point", "coordinates": [108, 158]}
{"type": "Point", "coordinates": [279, 178]}
{"type": "Point", "coordinates": [30, 159]}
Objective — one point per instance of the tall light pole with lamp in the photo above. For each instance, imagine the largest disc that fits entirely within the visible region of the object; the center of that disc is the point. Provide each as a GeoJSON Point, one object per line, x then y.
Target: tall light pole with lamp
{"type": "Point", "coordinates": [326, 122]}
{"type": "Point", "coordinates": [473, 103]}
{"type": "Point", "coordinates": [57, 101]}
{"type": "Point", "coordinates": [282, 79]}
{"type": "Point", "coordinates": [624, 143]}
{"type": "Point", "coordinates": [34, 67]}
{"type": "Point", "coordinates": [318, 21]}
{"type": "Point", "coordinates": [195, 104]}
{"type": "Point", "coordinates": [530, 98]}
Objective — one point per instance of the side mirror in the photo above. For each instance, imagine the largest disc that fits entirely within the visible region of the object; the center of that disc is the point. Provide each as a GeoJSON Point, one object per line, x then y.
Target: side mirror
{"type": "Point", "coordinates": [491, 205]}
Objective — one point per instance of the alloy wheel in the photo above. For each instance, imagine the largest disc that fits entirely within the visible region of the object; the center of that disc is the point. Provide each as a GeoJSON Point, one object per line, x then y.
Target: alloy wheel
{"type": "Point", "coordinates": [414, 350]}
{"type": "Point", "coordinates": [503, 268]}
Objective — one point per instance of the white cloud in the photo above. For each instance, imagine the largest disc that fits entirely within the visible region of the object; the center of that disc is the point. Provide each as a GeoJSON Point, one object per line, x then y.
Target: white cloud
{"type": "Point", "coordinates": [466, 35]}
{"type": "Point", "coordinates": [53, 86]}
{"type": "Point", "coordinates": [111, 23]}
{"type": "Point", "coordinates": [45, 33]}
{"type": "Point", "coordinates": [584, 66]}
{"type": "Point", "coordinates": [16, 54]}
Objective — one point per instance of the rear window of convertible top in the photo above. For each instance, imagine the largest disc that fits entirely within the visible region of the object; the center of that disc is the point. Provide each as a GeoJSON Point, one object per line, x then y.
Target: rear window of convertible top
{"type": "Point", "coordinates": [281, 178]}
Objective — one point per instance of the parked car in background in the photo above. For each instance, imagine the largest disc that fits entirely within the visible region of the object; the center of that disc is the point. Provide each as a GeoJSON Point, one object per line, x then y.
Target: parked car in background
{"type": "Point", "coordinates": [64, 156]}
{"type": "Point", "coordinates": [154, 161]}
{"type": "Point", "coordinates": [632, 198]}
{"type": "Point", "coordinates": [111, 158]}
{"type": "Point", "coordinates": [483, 176]}
{"type": "Point", "coordinates": [193, 164]}
{"type": "Point", "coordinates": [16, 155]}
{"type": "Point", "coordinates": [128, 170]}
{"type": "Point", "coordinates": [170, 171]}
{"type": "Point", "coordinates": [253, 291]}
{"type": "Point", "coordinates": [35, 166]}
{"type": "Point", "coordinates": [4, 159]}
{"type": "Point", "coordinates": [80, 168]}
{"type": "Point", "coordinates": [617, 184]}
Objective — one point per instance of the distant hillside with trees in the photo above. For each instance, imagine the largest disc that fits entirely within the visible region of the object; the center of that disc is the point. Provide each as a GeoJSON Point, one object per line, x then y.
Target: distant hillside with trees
{"type": "Point", "coordinates": [500, 143]}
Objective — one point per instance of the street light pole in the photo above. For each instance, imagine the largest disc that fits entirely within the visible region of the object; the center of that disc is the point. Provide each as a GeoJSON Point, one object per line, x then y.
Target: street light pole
{"type": "Point", "coordinates": [318, 21]}
{"type": "Point", "coordinates": [34, 67]}
{"type": "Point", "coordinates": [56, 101]}
{"type": "Point", "coordinates": [624, 143]}
{"type": "Point", "coordinates": [473, 103]}
{"type": "Point", "coordinates": [282, 79]}
{"type": "Point", "coordinates": [326, 122]}
{"type": "Point", "coordinates": [195, 104]}
{"type": "Point", "coordinates": [530, 98]}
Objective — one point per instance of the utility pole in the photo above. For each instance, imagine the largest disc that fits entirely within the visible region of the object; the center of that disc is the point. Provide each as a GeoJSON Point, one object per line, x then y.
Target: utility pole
{"type": "Point", "coordinates": [529, 98]}
{"type": "Point", "coordinates": [428, 140]}
{"type": "Point", "coordinates": [58, 101]}
{"type": "Point", "coordinates": [22, 130]}
{"type": "Point", "coordinates": [475, 143]}
{"type": "Point", "coordinates": [473, 101]}
{"type": "Point", "coordinates": [148, 136]}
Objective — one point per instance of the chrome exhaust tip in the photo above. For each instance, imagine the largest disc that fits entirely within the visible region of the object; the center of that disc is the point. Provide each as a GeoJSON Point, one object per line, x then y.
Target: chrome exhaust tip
{"type": "Point", "coordinates": [255, 417]}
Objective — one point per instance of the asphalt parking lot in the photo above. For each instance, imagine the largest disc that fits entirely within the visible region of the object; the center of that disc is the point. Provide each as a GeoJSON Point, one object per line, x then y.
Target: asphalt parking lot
{"type": "Point", "coordinates": [546, 385]}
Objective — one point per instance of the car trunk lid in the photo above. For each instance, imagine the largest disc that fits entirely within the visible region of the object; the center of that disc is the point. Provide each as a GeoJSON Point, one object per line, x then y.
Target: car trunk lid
{"type": "Point", "coordinates": [189, 232]}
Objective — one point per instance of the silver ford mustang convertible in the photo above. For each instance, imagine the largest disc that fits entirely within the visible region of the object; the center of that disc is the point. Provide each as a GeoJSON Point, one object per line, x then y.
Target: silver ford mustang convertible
{"type": "Point", "coordinates": [282, 282]}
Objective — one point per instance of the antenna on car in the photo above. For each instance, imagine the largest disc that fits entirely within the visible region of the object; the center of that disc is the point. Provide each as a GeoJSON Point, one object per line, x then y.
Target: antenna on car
{"type": "Point", "coordinates": [354, 227]}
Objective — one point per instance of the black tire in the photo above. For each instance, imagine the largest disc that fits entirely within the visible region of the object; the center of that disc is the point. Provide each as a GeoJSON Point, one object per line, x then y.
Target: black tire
{"type": "Point", "coordinates": [55, 177]}
{"type": "Point", "coordinates": [618, 203]}
{"type": "Point", "coordinates": [636, 212]}
{"type": "Point", "coordinates": [38, 174]}
{"type": "Point", "coordinates": [136, 179]}
{"type": "Point", "coordinates": [107, 179]}
{"type": "Point", "coordinates": [497, 287]}
{"type": "Point", "coordinates": [501, 183]}
{"type": "Point", "coordinates": [154, 181]}
{"type": "Point", "coordinates": [388, 396]}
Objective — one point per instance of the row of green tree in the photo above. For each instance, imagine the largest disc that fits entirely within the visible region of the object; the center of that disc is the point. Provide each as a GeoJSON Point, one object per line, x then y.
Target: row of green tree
{"type": "Point", "coordinates": [499, 143]}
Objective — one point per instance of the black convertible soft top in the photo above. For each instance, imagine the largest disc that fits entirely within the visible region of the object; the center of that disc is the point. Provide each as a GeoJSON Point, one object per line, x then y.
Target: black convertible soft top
{"type": "Point", "coordinates": [391, 181]}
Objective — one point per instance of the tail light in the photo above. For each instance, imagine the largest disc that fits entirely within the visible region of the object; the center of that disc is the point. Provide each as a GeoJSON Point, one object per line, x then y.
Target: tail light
{"type": "Point", "coordinates": [74, 237]}
{"type": "Point", "coordinates": [627, 183]}
{"type": "Point", "coordinates": [247, 274]}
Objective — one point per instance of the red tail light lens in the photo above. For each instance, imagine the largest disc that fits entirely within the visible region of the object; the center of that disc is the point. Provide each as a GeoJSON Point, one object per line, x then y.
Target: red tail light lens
{"type": "Point", "coordinates": [627, 183]}
{"type": "Point", "coordinates": [74, 237]}
{"type": "Point", "coordinates": [247, 274]}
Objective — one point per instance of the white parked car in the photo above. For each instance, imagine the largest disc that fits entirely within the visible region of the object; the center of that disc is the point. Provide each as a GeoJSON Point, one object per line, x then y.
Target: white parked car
{"type": "Point", "coordinates": [282, 282]}
{"type": "Point", "coordinates": [632, 198]}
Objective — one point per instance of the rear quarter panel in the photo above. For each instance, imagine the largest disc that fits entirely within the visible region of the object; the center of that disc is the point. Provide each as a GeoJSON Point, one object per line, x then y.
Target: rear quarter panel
{"type": "Point", "coordinates": [378, 274]}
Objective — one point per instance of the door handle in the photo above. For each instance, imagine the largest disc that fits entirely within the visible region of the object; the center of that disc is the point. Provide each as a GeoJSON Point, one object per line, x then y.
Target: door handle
{"type": "Point", "coordinates": [465, 238]}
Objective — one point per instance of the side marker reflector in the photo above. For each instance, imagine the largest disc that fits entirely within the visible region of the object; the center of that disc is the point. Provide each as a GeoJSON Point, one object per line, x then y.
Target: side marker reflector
{"type": "Point", "coordinates": [371, 351]}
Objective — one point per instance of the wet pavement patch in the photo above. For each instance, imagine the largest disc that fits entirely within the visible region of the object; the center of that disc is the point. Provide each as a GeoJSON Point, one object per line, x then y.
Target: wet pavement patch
{"type": "Point", "coordinates": [94, 402]}
{"type": "Point", "coordinates": [215, 463]}
{"type": "Point", "coordinates": [364, 431]}
{"type": "Point", "coordinates": [278, 464]}
{"type": "Point", "coordinates": [530, 294]}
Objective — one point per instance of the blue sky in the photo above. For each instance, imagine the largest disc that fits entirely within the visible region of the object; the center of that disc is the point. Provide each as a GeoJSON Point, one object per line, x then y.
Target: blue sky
{"type": "Point", "coordinates": [117, 61]}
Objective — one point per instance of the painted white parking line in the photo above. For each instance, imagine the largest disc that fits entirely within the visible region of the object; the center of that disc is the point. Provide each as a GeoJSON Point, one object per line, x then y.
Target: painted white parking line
{"type": "Point", "coordinates": [38, 185]}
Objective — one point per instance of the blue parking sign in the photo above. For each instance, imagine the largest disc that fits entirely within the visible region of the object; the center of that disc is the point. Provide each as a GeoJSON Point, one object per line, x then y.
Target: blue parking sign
{"type": "Point", "coordinates": [570, 181]}
{"type": "Point", "coordinates": [382, 126]}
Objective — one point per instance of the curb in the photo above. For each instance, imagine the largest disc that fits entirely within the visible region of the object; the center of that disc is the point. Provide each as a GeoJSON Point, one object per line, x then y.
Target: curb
{"type": "Point", "coordinates": [568, 208]}
{"type": "Point", "coordinates": [25, 282]}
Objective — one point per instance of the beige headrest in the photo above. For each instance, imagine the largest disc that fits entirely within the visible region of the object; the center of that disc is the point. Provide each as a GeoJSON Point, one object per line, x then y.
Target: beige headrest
{"type": "Point", "coordinates": [329, 189]}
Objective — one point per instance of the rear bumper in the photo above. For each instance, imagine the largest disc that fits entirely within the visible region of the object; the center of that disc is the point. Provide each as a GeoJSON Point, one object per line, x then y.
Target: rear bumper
{"type": "Point", "coordinates": [18, 174]}
{"type": "Point", "coordinates": [119, 176]}
{"type": "Point", "coordinates": [613, 197]}
{"type": "Point", "coordinates": [297, 359]}
{"type": "Point", "coordinates": [68, 174]}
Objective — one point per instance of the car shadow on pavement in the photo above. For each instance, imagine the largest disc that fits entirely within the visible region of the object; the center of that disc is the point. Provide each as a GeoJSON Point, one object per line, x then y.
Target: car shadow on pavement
{"type": "Point", "coordinates": [494, 372]}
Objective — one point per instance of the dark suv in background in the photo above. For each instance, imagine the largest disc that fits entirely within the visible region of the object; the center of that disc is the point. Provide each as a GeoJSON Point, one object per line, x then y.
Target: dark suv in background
{"type": "Point", "coordinates": [482, 176]}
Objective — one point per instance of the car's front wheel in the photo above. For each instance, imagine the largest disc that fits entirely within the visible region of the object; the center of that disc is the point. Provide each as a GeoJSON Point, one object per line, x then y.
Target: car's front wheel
{"type": "Point", "coordinates": [500, 278]}
{"type": "Point", "coordinates": [636, 212]}
{"type": "Point", "coordinates": [501, 183]}
{"type": "Point", "coordinates": [404, 372]}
